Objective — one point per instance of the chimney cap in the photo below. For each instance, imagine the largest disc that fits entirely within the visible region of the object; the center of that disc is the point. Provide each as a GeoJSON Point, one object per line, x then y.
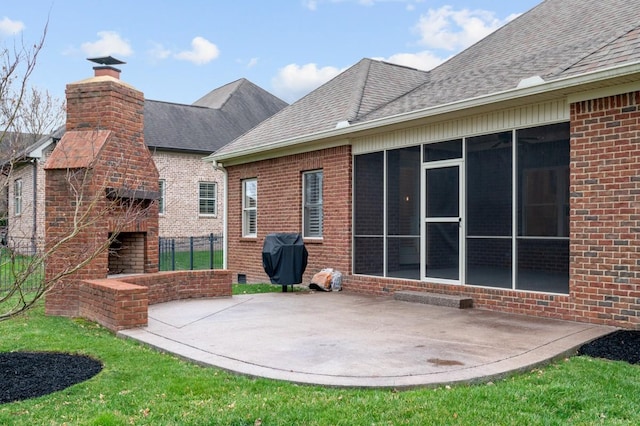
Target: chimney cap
{"type": "Point", "coordinates": [106, 60]}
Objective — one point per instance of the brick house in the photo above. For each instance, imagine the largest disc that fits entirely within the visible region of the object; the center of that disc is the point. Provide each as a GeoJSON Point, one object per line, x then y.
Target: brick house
{"type": "Point", "coordinates": [178, 136]}
{"type": "Point", "coordinates": [509, 173]}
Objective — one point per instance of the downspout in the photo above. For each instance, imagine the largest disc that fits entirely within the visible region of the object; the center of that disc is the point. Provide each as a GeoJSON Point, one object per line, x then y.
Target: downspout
{"type": "Point", "coordinates": [34, 235]}
{"type": "Point", "coordinates": [225, 192]}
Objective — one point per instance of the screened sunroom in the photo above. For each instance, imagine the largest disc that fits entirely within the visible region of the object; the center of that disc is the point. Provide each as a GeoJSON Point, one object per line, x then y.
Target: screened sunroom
{"type": "Point", "coordinates": [489, 210]}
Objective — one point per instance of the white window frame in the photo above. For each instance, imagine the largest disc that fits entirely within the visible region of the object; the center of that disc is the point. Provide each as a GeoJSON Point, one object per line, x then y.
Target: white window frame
{"type": "Point", "coordinates": [17, 197]}
{"type": "Point", "coordinates": [307, 207]}
{"type": "Point", "coordinates": [249, 210]}
{"type": "Point", "coordinates": [162, 202]}
{"type": "Point", "coordinates": [214, 199]}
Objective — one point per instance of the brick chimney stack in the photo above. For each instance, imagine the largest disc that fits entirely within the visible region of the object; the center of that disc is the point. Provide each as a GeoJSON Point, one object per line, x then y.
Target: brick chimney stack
{"type": "Point", "coordinates": [107, 70]}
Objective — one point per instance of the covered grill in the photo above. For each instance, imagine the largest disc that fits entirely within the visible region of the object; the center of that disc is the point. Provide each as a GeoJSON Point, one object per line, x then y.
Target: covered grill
{"type": "Point", "coordinates": [284, 258]}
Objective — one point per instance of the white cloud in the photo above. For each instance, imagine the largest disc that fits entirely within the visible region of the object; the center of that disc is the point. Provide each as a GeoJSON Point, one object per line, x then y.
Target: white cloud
{"type": "Point", "coordinates": [310, 4]}
{"type": "Point", "coordinates": [295, 81]}
{"type": "Point", "coordinates": [202, 51]}
{"type": "Point", "coordinates": [158, 51]}
{"type": "Point", "coordinates": [109, 43]}
{"type": "Point", "coordinates": [424, 60]}
{"type": "Point", "coordinates": [252, 62]}
{"type": "Point", "coordinates": [9, 27]}
{"type": "Point", "coordinates": [452, 30]}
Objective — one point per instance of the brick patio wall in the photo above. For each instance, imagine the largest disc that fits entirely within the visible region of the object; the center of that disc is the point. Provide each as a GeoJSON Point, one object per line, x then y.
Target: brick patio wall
{"type": "Point", "coordinates": [176, 285]}
{"type": "Point", "coordinates": [122, 303]}
{"type": "Point", "coordinates": [114, 304]}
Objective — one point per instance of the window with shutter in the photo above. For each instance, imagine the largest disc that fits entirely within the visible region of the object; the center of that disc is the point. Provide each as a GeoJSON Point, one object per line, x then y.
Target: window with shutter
{"type": "Point", "coordinates": [249, 208]}
{"type": "Point", "coordinates": [312, 204]}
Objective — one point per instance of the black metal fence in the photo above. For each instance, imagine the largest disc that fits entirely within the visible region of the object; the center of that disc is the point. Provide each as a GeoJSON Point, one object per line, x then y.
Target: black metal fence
{"type": "Point", "coordinates": [189, 253]}
{"type": "Point", "coordinates": [17, 265]}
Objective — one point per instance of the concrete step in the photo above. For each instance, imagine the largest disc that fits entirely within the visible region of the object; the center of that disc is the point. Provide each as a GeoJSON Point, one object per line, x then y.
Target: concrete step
{"type": "Point", "coordinates": [437, 299]}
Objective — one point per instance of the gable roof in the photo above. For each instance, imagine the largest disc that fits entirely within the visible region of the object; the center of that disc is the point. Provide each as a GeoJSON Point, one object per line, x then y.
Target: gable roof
{"type": "Point", "coordinates": [212, 121]}
{"type": "Point", "coordinates": [347, 97]}
{"type": "Point", "coordinates": [555, 40]}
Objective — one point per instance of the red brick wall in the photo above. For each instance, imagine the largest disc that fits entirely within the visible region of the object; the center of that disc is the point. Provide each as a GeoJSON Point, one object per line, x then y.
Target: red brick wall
{"type": "Point", "coordinates": [605, 210]}
{"type": "Point", "coordinates": [517, 302]}
{"type": "Point", "coordinates": [280, 210]}
{"type": "Point", "coordinates": [59, 214]}
{"type": "Point", "coordinates": [114, 304]}
{"type": "Point", "coordinates": [176, 285]}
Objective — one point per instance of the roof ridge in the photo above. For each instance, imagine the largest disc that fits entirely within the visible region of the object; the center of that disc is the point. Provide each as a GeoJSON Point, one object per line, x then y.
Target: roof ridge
{"type": "Point", "coordinates": [238, 84]}
{"type": "Point", "coordinates": [226, 89]}
{"type": "Point", "coordinates": [358, 93]}
{"type": "Point", "coordinates": [400, 95]}
{"type": "Point", "coordinates": [176, 104]}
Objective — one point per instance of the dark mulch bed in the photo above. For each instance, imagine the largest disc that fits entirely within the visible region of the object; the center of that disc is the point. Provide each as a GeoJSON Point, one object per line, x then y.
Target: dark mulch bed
{"type": "Point", "coordinates": [621, 345]}
{"type": "Point", "coordinates": [26, 375]}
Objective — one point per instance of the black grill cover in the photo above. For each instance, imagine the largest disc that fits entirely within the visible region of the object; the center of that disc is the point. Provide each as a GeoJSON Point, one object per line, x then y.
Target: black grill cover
{"type": "Point", "coordinates": [284, 258]}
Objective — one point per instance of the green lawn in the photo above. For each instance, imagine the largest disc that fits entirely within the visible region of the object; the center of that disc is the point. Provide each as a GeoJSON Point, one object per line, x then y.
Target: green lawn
{"type": "Point", "coordinates": [201, 260]}
{"type": "Point", "coordinates": [143, 387]}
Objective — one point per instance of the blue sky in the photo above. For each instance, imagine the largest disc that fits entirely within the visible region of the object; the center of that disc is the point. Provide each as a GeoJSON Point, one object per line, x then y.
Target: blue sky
{"type": "Point", "coordinates": [178, 51]}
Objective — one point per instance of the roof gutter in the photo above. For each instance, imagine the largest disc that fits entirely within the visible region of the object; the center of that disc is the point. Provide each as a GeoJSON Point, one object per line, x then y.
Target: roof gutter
{"type": "Point", "coordinates": [563, 85]}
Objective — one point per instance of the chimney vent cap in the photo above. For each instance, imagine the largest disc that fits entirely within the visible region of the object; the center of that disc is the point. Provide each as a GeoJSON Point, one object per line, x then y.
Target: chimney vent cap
{"type": "Point", "coordinates": [106, 60]}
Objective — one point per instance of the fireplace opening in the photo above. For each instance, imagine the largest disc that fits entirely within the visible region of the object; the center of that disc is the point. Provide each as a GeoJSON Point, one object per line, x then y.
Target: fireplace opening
{"type": "Point", "coordinates": [127, 253]}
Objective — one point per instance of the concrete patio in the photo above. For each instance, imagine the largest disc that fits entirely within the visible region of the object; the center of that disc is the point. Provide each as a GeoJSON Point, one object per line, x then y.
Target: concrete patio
{"type": "Point", "coordinates": [342, 339]}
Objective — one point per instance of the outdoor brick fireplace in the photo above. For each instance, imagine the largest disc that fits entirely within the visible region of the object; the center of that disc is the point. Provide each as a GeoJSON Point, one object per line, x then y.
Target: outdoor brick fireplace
{"type": "Point", "coordinates": [101, 212]}
{"type": "Point", "coordinates": [101, 176]}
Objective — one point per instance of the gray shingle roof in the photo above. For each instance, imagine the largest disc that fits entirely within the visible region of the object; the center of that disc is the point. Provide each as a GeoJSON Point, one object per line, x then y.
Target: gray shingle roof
{"type": "Point", "coordinates": [213, 121]}
{"type": "Point", "coordinates": [181, 127]}
{"type": "Point", "coordinates": [551, 41]}
{"type": "Point", "coordinates": [247, 103]}
{"type": "Point", "coordinates": [352, 94]}
{"type": "Point", "coordinates": [555, 39]}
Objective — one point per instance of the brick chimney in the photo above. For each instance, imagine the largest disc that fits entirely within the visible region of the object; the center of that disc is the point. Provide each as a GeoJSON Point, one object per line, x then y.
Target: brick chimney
{"type": "Point", "coordinates": [104, 140]}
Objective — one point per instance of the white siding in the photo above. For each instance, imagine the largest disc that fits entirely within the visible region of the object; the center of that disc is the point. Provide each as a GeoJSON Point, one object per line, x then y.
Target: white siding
{"type": "Point", "coordinates": [506, 119]}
